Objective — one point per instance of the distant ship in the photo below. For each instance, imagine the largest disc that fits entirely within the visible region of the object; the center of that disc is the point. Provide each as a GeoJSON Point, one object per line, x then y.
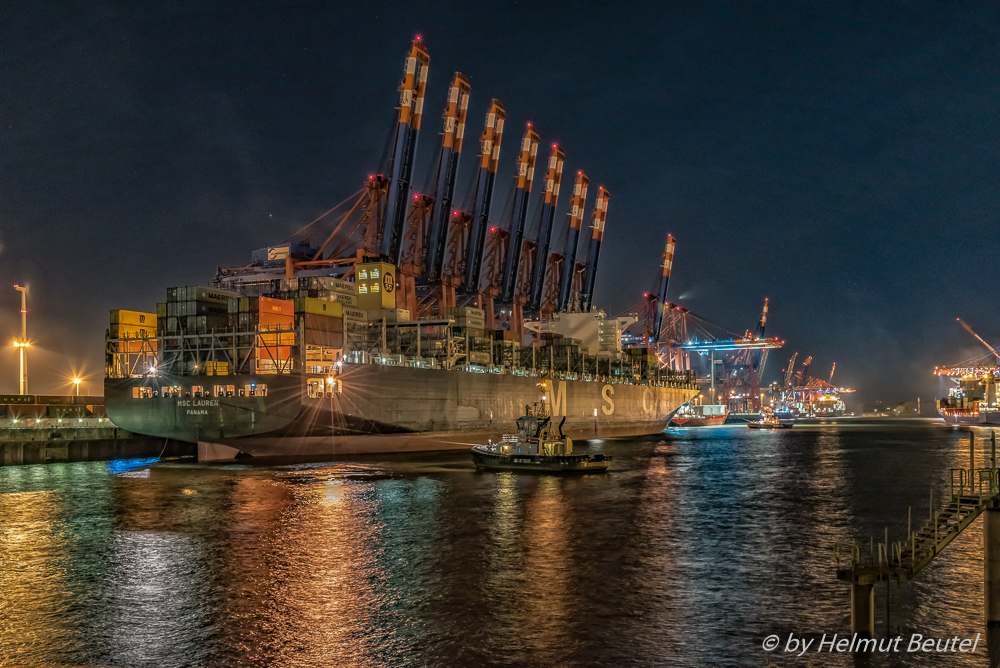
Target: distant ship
{"type": "Point", "coordinates": [700, 416]}
{"type": "Point", "coordinates": [973, 400]}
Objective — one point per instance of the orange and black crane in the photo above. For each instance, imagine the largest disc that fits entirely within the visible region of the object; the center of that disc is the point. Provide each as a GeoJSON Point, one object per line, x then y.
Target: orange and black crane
{"type": "Point", "coordinates": [451, 151]}
{"type": "Point", "coordinates": [553, 177]}
{"type": "Point", "coordinates": [577, 205]}
{"type": "Point", "coordinates": [411, 109]}
{"type": "Point", "coordinates": [438, 249]}
{"type": "Point", "coordinates": [522, 192]}
{"type": "Point", "coordinates": [597, 238]}
{"type": "Point", "coordinates": [479, 224]}
{"type": "Point", "coordinates": [658, 302]}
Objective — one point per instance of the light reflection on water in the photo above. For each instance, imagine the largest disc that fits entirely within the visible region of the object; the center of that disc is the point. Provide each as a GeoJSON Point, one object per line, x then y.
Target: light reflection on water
{"type": "Point", "coordinates": [696, 546]}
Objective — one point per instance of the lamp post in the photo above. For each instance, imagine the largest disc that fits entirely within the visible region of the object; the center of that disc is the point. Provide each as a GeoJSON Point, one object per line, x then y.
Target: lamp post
{"type": "Point", "coordinates": [76, 381]}
{"type": "Point", "coordinates": [23, 344]}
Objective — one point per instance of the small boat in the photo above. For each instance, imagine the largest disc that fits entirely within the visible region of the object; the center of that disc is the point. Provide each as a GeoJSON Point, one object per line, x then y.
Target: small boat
{"type": "Point", "coordinates": [533, 450]}
{"type": "Point", "coordinates": [769, 421]}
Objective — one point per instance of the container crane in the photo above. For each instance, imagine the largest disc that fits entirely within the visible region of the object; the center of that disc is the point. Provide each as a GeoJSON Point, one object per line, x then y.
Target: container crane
{"type": "Point", "coordinates": [489, 158]}
{"type": "Point", "coordinates": [597, 238]}
{"type": "Point", "coordinates": [659, 301]}
{"type": "Point", "coordinates": [451, 150]}
{"type": "Point", "coordinates": [411, 107]}
{"type": "Point", "coordinates": [577, 205]}
{"type": "Point", "coordinates": [966, 327]}
{"type": "Point", "coordinates": [788, 372]}
{"type": "Point", "coordinates": [522, 192]}
{"type": "Point", "coordinates": [831, 373]}
{"type": "Point", "coordinates": [804, 374]}
{"type": "Point", "coordinates": [553, 177]}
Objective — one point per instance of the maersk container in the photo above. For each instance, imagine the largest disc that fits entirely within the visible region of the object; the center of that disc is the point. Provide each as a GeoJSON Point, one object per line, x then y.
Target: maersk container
{"type": "Point", "coordinates": [319, 307]}
{"type": "Point", "coordinates": [138, 318]}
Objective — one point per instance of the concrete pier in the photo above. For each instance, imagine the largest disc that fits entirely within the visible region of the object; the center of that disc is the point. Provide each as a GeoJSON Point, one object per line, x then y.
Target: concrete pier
{"type": "Point", "coordinates": [991, 566]}
{"type": "Point", "coordinates": [27, 446]}
{"type": "Point", "coordinates": [863, 609]}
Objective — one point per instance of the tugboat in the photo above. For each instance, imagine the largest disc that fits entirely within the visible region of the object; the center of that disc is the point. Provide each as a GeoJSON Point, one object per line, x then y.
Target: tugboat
{"type": "Point", "coordinates": [769, 421]}
{"type": "Point", "coordinates": [535, 451]}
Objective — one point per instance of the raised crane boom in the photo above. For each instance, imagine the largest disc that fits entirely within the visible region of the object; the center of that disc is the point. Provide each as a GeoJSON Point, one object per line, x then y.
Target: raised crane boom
{"type": "Point", "coordinates": [979, 338]}
{"type": "Point", "coordinates": [577, 205]}
{"type": "Point", "coordinates": [525, 178]}
{"type": "Point", "coordinates": [552, 180]}
{"type": "Point", "coordinates": [451, 151]}
{"type": "Point", "coordinates": [661, 302]}
{"type": "Point", "coordinates": [411, 109]}
{"type": "Point", "coordinates": [488, 159]}
{"type": "Point", "coordinates": [788, 371]}
{"type": "Point", "coordinates": [600, 216]}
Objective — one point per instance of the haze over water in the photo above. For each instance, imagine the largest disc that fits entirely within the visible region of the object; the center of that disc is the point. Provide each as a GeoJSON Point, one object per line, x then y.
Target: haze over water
{"type": "Point", "coordinates": [698, 545]}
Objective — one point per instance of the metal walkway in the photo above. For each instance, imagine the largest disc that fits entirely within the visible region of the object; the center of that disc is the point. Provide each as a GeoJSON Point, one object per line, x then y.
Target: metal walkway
{"type": "Point", "coordinates": [971, 493]}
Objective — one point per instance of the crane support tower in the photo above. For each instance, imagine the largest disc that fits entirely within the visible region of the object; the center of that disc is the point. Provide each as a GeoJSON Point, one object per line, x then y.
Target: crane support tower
{"type": "Point", "coordinates": [600, 216]}
{"type": "Point", "coordinates": [577, 205]}
{"type": "Point", "coordinates": [661, 298]}
{"type": "Point", "coordinates": [553, 177]}
{"type": "Point", "coordinates": [525, 178]}
{"type": "Point", "coordinates": [489, 157]}
{"type": "Point", "coordinates": [451, 150]}
{"type": "Point", "coordinates": [411, 107]}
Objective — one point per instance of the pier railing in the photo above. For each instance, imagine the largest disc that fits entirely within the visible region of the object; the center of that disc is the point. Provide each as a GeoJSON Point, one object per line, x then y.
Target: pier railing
{"type": "Point", "coordinates": [864, 563]}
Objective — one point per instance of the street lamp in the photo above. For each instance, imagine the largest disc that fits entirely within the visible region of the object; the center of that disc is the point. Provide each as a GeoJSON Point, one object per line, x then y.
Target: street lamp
{"type": "Point", "coordinates": [76, 381]}
{"type": "Point", "coordinates": [23, 343]}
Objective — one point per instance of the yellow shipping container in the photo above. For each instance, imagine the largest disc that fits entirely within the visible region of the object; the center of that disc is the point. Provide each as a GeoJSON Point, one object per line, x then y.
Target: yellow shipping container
{"type": "Point", "coordinates": [319, 307]}
{"type": "Point", "coordinates": [134, 318]}
{"type": "Point", "coordinates": [132, 331]}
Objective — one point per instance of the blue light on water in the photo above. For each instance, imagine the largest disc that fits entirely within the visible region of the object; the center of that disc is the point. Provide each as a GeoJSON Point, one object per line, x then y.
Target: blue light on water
{"type": "Point", "coordinates": [117, 466]}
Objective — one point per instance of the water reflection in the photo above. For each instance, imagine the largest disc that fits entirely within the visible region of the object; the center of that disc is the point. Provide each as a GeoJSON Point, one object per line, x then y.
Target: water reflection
{"type": "Point", "coordinates": [695, 547]}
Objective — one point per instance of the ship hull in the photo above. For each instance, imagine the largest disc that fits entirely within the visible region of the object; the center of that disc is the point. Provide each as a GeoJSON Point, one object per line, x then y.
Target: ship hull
{"type": "Point", "coordinates": [385, 409]}
{"type": "Point", "coordinates": [683, 421]}
{"type": "Point", "coordinates": [969, 416]}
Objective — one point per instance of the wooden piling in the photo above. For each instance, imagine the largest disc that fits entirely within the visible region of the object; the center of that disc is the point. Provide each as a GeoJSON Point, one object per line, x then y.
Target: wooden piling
{"type": "Point", "coordinates": [863, 609]}
{"type": "Point", "coordinates": [991, 566]}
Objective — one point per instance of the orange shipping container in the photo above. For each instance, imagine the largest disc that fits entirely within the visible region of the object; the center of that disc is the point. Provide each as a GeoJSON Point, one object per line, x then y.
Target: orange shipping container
{"type": "Point", "coordinates": [276, 306]}
{"type": "Point", "coordinates": [276, 320]}
{"type": "Point", "coordinates": [283, 339]}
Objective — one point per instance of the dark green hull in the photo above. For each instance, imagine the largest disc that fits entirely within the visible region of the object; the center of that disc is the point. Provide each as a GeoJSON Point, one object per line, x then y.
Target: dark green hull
{"type": "Point", "coordinates": [487, 460]}
{"type": "Point", "coordinates": [385, 408]}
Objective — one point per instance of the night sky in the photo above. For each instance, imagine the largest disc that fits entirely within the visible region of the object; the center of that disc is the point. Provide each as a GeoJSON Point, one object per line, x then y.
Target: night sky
{"type": "Point", "coordinates": [838, 158]}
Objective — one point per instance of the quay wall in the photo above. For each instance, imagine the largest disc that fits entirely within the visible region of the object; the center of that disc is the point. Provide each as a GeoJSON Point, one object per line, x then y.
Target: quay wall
{"type": "Point", "coordinates": [43, 446]}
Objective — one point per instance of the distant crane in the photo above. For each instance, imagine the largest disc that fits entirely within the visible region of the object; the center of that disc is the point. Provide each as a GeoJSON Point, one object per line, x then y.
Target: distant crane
{"type": "Point", "coordinates": [658, 302]}
{"type": "Point", "coordinates": [788, 371]}
{"type": "Point", "coordinates": [831, 373]}
{"type": "Point", "coordinates": [804, 374]}
{"type": "Point", "coordinates": [979, 338]}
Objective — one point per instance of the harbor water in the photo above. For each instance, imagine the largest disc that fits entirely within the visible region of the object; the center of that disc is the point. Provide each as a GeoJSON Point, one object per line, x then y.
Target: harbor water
{"type": "Point", "coordinates": [694, 548]}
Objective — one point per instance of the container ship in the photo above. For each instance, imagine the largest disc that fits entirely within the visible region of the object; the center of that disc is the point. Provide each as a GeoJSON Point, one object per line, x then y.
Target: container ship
{"type": "Point", "coordinates": [973, 397]}
{"type": "Point", "coordinates": [397, 322]}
